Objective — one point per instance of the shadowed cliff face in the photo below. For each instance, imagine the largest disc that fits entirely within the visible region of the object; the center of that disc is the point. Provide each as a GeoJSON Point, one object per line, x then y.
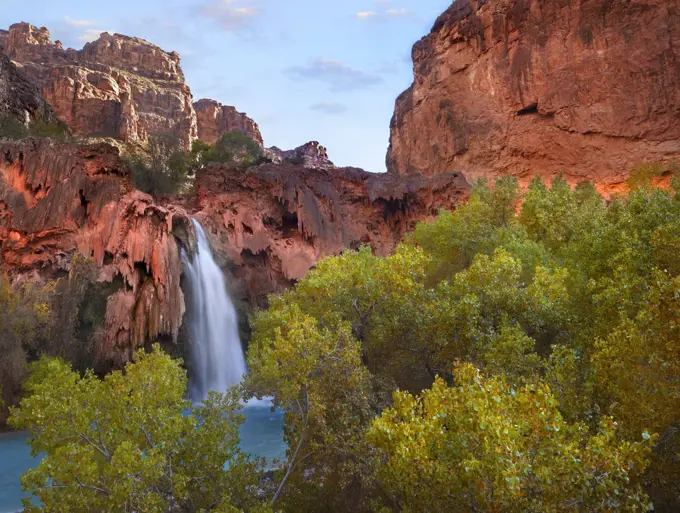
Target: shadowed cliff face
{"type": "Point", "coordinates": [19, 97]}
{"type": "Point", "coordinates": [589, 88]}
{"type": "Point", "coordinates": [267, 225]}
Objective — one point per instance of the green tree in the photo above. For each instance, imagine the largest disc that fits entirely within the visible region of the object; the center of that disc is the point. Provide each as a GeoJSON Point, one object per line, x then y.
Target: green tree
{"type": "Point", "coordinates": [565, 293]}
{"type": "Point", "coordinates": [232, 147]}
{"type": "Point", "coordinates": [164, 169]}
{"type": "Point", "coordinates": [24, 323]}
{"type": "Point", "coordinates": [123, 443]}
{"type": "Point", "coordinates": [316, 375]}
{"type": "Point", "coordinates": [484, 445]}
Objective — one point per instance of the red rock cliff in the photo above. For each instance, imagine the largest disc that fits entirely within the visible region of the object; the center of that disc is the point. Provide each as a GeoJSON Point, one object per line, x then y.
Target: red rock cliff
{"type": "Point", "coordinates": [272, 223]}
{"type": "Point", "coordinates": [56, 199]}
{"type": "Point", "coordinates": [116, 86]}
{"type": "Point", "coordinates": [590, 88]}
{"type": "Point", "coordinates": [268, 226]}
{"type": "Point", "coordinates": [215, 120]}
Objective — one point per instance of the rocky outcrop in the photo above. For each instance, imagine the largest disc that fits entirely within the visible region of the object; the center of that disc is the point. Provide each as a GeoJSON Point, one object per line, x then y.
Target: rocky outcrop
{"type": "Point", "coordinates": [310, 155]}
{"type": "Point", "coordinates": [56, 199]}
{"type": "Point", "coordinates": [19, 97]}
{"type": "Point", "coordinates": [272, 223]}
{"type": "Point", "coordinates": [116, 86]}
{"type": "Point", "coordinates": [268, 226]}
{"type": "Point", "coordinates": [214, 120]}
{"type": "Point", "coordinates": [588, 88]}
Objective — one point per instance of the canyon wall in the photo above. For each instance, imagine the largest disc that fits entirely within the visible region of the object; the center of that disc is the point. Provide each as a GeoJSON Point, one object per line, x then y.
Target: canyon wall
{"type": "Point", "coordinates": [129, 89]}
{"type": "Point", "coordinates": [116, 86]}
{"type": "Point", "coordinates": [215, 120]}
{"type": "Point", "coordinates": [20, 98]}
{"type": "Point", "coordinates": [588, 88]}
{"type": "Point", "coordinates": [268, 225]}
{"type": "Point", "coordinates": [56, 199]}
{"type": "Point", "coordinates": [119, 86]}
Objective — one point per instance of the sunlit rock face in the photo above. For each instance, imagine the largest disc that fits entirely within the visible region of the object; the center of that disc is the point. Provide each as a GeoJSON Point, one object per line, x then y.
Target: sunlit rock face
{"type": "Point", "coordinates": [56, 199]}
{"type": "Point", "coordinates": [310, 155]}
{"type": "Point", "coordinates": [116, 86]}
{"type": "Point", "coordinates": [214, 120]}
{"type": "Point", "coordinates": [587, 88]}
{"type": "Point", "coordinates": [272, 223]}
{"type": "Point", "coordinates": [267, 227]}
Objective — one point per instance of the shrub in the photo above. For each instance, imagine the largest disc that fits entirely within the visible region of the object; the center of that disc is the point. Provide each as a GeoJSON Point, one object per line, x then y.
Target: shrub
{"type": "Point", "coordinates": [23, 322]}
{"type": "Point", "coordinates": [232, 147]}
{"type": "Point", "coordinates": [11, 128]}
{"type": "Point", "coordinates": [164, 170]}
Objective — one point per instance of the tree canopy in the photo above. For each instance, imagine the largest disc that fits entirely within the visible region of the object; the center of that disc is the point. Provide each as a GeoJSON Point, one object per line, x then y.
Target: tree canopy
{"type": "Point", "coordinates": [122, 443]}
{"type": "Point", "coordinates": [527, 340]}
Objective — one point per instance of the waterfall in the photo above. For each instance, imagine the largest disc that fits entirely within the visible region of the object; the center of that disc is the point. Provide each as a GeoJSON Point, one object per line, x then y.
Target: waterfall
{"type": "Point", "coordinates": [216, 357]}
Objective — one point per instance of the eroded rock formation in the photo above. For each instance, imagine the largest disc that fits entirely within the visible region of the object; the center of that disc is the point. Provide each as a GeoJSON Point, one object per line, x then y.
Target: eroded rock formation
{"type": "Point", "coordinates": [585, 88]}
{"type": "Point", "coordinates": [56, 199]}
{"type": "Point", "coordinates": [215, 120]}
{"type": "Point", "coordinates": [272, 223]}
{"type": "Point", "coordinates": [116, 86]}
{"type": "Point", "coordinates": [310, 155]}
{"type": "Point", "coordinates": [268, 226]}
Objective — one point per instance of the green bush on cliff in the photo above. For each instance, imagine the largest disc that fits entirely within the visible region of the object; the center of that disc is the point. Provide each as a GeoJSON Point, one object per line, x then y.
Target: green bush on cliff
{"type": "Point", "coordinates": [52, 318]}
{"type": "Point", "coordinates": [232, 147]}
{"type": "Point", "coordinates": [13, 129]}
{"type": "Point", "coordinates": [164, 169]}
{"type": "Point", "coordinates": [124, 444]}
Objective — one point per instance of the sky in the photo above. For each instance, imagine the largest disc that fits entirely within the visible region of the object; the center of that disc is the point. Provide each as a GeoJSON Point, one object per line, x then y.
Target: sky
{"type": "Point", "coordinates": [324, 70]}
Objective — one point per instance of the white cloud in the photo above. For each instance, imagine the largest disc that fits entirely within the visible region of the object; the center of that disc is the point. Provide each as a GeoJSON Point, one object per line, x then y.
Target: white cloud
{"type": "Point", "coordinates": [78, 23]}
{"type": "Point", "coordinates": [90, 35]}
{"type": "Point", "coordinates": [363, 15]}
{"type": "Point", "coordinates": [382, 14]}
{"type": "Point", "coordinates": [231, 15]}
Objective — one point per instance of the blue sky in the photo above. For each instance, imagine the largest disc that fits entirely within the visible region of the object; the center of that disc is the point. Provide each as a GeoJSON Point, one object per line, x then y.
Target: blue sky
{"type": "Point", "coordinates": [326, 70]}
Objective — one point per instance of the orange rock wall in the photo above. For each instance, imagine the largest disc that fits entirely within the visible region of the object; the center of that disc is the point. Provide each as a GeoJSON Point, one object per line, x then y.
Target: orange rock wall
{"type": "Point", "coordinates": [215, 120]}
{"type": "Point", "coordinates": [588, 88]}
{"type": "Point", "coordinates": [56, 199]}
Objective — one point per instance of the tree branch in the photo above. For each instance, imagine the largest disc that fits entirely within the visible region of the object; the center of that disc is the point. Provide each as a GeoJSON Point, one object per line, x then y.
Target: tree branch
{"type": "Point", "coordinates": [91, 487]}
{"type": "Point", "coordinates": [297, 449]}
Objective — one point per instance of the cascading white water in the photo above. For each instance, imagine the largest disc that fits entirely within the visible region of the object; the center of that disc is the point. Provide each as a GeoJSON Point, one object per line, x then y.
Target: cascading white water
{"type": "Point", "coordinates": [216, 356]}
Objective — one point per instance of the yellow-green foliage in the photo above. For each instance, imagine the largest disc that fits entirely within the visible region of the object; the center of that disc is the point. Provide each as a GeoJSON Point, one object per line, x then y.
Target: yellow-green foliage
{"type": "Point", "coordinates": [123, 443]}
{"type": "Point", "coordinates": [485, 445]}
{"type": "Point", "coordinates": [565, 299]}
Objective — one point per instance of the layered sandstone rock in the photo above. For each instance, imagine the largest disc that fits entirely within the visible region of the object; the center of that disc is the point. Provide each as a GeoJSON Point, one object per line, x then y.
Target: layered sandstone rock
{"type": "Point", "coordinates": [56, 199]}
{"type": "Point", "coordinates": [272, 223]}
{"type": "Point", "coordinates": [309, 155]}
{"type": "Point", "coordinates": [588, 88]}
{"type": "Point", "coordinates": [214, 120]}
{"type": "Point", "coordinates": [116, 86]}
